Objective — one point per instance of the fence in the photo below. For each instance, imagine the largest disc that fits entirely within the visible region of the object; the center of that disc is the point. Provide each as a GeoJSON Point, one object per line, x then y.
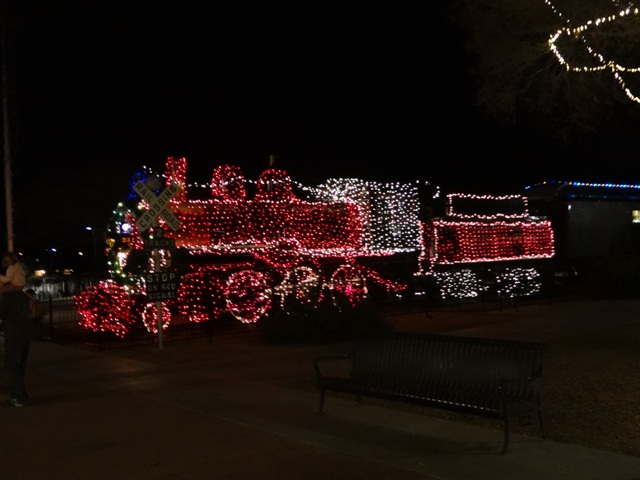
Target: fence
{"type": "Point", "coordinates": [60, 322]}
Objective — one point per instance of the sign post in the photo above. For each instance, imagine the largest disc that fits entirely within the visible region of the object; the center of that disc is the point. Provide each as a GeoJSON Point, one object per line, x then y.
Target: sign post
{"type": "Point", "coordinates": [160, 285]}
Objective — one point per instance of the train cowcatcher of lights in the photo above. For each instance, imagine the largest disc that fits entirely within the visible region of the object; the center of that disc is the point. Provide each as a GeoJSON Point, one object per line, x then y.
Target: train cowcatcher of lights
{"type": "Point", "coordinates": [244, 249]}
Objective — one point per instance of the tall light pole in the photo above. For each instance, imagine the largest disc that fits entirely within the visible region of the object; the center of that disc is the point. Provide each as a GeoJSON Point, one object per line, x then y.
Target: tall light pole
{"type": "Point", "coordinates": [95, 249]}
{"type": "Point", "coordinates": [8, 186]}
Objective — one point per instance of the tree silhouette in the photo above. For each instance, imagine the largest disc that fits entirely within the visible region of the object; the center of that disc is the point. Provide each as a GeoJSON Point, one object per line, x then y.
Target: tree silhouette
{"type": "Point", "coordinates": [518, 79]}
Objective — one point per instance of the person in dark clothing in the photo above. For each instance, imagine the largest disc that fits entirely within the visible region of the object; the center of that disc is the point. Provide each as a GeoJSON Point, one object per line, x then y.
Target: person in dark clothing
{"type": "Point", "coordinates": [16, 324]}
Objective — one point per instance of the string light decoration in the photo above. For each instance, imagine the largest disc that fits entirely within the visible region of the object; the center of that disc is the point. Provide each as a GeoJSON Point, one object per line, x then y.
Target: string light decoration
{"type": "Point", "coordinates": [348, 287]}
{"type": "Point", "coordinates": [197, 300]}
{"type": "Point", "coordinates": [106, 307]}
{"type": "Point", "coordinates": [499, 230]}
{"type": "Point", "coordinates": [518, 282]}
{"type": "Point", "coordinates": [287, 236]}
{"type": "Point", "coordinates": [510, 283]}
{"type": "Point", "coordinates": [489, 234]}
{"type": "Point", "coordinates": [301, 289]}
{"type": "Point", "coordinates": [248, 295]}
{"type": "Point", "coordinates": [389, 211]}
{"type": "Point", "coordinates": [577, 38]}
{"type": "Point", "coordinates": [150, 316]}
{"type": "Point", "coordinates": [579, 189]}
{"type": "Point", "coordinates": [469, 242]}
{"type": "Point", "coordinates": [463, 284]}
{"type": "Point", "coordinates": [250, 247]}
{"type": "Point", "coordinates": [487, 207]}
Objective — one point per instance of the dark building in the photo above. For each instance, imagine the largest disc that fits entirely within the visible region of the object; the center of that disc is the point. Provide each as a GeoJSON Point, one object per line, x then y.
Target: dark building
{"type": "Point", "coordinates": [591, 221]}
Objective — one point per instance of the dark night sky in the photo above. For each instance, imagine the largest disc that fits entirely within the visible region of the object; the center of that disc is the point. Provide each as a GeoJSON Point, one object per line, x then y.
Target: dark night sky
{"type": "Point", "coordinates": [376, 92]}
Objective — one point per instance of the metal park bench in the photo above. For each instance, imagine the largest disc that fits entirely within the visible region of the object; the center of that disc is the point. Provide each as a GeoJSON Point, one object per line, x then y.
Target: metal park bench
{"type": "Point", "coordinates": [499, 379]}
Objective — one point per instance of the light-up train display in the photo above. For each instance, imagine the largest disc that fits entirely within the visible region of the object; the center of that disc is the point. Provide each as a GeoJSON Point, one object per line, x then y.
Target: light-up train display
{"type": "Point", "coordinates": [246, 248]}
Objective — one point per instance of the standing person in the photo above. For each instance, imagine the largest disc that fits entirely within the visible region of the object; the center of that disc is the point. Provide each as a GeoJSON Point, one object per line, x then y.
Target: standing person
{"type": "Point", "coordinates": [14, 276]}
{"type": "Point", "coordinates": [16, 324]}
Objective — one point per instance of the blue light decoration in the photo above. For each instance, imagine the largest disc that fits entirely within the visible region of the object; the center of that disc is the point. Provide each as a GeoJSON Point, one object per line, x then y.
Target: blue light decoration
{"type": "Point", "coordinates": [585, 190]}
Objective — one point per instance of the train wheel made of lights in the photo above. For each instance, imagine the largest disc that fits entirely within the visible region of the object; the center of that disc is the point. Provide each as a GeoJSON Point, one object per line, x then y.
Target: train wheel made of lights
{"type": "Point", "coordinates": [200, 299]}
{"type": "Point", "coordinates": [301, 289]}
{"type": "Point", "coordinates": [150, 317]}
{"type": "Point", "coordinates": [190, 295]}
{"type": "Point", "coordinates": [348, 287]}
{"type": "Point", "coordinates": [518, 282]}
{"type": "Point", "coordinates": [248, 295]}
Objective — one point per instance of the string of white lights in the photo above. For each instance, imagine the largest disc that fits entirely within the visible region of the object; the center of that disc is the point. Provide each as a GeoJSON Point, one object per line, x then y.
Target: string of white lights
{"type": "Point", "coordinates": [602, 62]}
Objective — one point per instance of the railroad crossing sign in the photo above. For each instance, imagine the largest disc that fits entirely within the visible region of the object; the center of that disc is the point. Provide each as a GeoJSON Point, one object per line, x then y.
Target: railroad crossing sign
{"type": "Point", "coordinates": [161, 286]}
{"type": "Point", "coordinates": [160, 242]}
{"type": "Point", "coordinates": [157, 206]}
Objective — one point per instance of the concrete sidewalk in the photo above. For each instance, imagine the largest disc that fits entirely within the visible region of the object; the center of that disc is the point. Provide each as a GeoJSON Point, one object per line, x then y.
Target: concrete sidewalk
{"type": "Point", "coordinates": [237, 408]}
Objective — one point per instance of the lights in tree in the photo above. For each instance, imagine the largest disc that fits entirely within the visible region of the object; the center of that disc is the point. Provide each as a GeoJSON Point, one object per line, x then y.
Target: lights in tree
{"type": "Point", "coordinates": [591, 59]}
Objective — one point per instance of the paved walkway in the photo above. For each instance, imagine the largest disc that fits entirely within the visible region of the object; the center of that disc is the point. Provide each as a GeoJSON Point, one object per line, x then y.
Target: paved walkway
{"type": "Point", "coordinates": [237, 408]}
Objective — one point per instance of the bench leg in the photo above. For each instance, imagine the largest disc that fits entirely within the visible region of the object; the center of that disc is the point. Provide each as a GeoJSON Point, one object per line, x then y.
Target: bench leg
{"type": "Point", "coordinates": [541, 421]}
{"type": "Point", "coordinates": [505, 441]}
{"type": "Point", "coordinates": [321, 406]}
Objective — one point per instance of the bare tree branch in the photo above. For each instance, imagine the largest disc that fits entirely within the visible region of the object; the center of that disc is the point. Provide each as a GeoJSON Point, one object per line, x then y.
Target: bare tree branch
{"type": "Point", "coordinates": [519, 80]}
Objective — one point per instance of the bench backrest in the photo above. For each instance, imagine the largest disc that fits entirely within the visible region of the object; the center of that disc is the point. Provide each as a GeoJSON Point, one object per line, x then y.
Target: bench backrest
{"type": "Point", "coordinates": [445, 361]}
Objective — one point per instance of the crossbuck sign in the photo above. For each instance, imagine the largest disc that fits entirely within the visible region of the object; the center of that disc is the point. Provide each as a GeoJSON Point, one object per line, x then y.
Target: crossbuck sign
{"type": "Point", "coordinates": [157, 206]}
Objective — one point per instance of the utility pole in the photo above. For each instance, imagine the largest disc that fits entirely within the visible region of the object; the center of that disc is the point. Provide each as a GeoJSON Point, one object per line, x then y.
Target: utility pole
{"type": "Point", "coordinates": [8, 186]}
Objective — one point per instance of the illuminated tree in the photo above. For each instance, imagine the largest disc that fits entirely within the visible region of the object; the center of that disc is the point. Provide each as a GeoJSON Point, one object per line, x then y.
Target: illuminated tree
{"type": "Point", "coordinates": [564, 67]}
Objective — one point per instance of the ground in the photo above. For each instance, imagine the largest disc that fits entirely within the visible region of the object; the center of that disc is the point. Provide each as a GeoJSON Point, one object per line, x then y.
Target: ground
{"type": "Point", "coordinates": [592, 390]}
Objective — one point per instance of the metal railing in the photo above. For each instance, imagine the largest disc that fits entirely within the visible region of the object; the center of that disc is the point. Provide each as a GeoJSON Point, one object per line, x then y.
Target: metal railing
{"type": "Point", "coordinates": [59, 321]}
